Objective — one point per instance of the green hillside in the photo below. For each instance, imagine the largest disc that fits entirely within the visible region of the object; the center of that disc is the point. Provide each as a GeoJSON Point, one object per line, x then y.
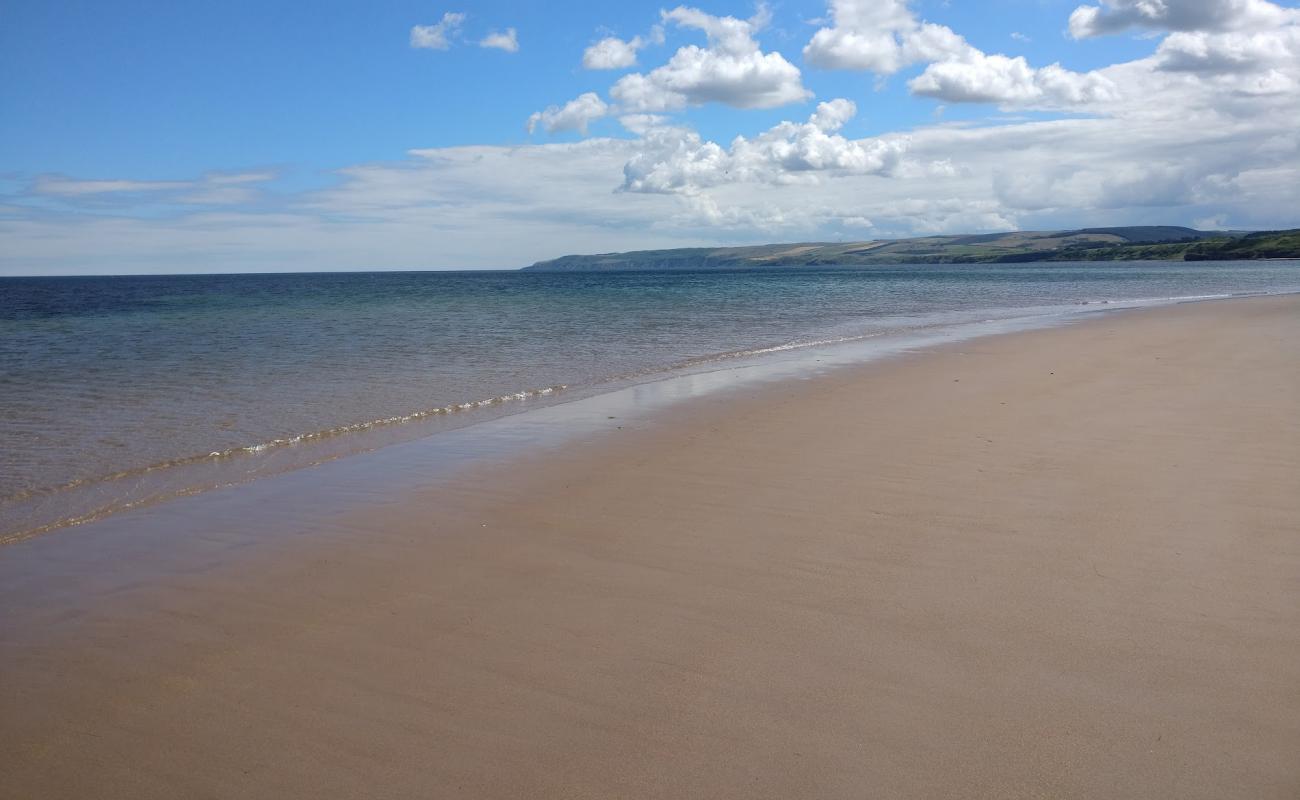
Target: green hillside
{"type": "Point", "coordinates": [1264, 244]}
{"type": "Point", "coordinates": [1138, 243]}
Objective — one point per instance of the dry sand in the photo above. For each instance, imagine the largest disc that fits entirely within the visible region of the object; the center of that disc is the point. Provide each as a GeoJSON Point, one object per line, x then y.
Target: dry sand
{"type": "Point", "coordinates": [1055, 564]}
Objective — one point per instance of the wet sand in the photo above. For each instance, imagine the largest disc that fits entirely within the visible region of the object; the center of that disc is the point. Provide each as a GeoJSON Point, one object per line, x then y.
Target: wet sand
{"type": "Point", "coordinates": [1063, 563]}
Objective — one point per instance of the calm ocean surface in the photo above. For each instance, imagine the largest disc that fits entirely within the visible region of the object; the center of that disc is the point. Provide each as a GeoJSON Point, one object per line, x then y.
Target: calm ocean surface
{"type": "Point", "coordinates": [124, 390]}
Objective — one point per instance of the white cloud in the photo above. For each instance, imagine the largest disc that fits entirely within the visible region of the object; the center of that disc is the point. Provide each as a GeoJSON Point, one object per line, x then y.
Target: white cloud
{"type": "Point", "coordinates": [1128, 186]}
{"type": "Point", "coordinates": [981, 78]}
{"type": "Point", "coordinates": [67, 187]}
{"type": "Point", "coordinates": [507, 40]}
{"type": "Point", "coordinates": [833, 115]}
{"type": "Point", "coordinates": [639, 93]}
{"type": "Point", "coordinates": [1114, 16]}
{"type": "Point", "coordinates": [884, 36]}
{"type": "Point", "coordinates": [1206, 75]}
{"type": "Point", "coordinates": [225, 178]}
{"type": "Point", "coordinates": [880, 36]}
{"type": "Point", "coordinates": [641, 124]}
{"type": "Point", "coordinates": [561, 198]}
{"type": "Point", "coordinates": [1020, 37]}
{"type": "Point", "coordinates": [231, 195]}
{"type": "Point", "coordinates": [437, 36]}
{"type": "Point", "coordinates": [676, 160]}
{"type": "Point", "coordinates": [214, 188]}
{"type": "Point", "coordinates": [574, 115]}
{"type": "Point", "coordinates": [1218, 53]}
{"type": "Point", "coordinates": [731, 69]}
{"type": "Point", "coordinates": [615, 53]}
{"type": "Point", "coordinates": [226, 189]}
{"type": "Point", "coordinates": [612, 53]}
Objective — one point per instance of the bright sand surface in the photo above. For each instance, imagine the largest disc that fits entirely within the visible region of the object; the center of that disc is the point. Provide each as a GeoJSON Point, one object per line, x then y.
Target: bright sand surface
{"type": "Point", "coordinates": [1063, 563]}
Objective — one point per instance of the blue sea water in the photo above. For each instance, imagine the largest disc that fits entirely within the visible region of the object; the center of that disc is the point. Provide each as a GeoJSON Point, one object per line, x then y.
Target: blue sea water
{"type": "Point", "coordinates": [119, 391]}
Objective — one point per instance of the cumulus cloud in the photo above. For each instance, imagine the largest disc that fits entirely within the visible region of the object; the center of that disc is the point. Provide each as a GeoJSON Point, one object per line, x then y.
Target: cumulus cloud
{"type": "Point", "coordinates": [507, 40]}
{"type": "Point", "coordinates": [574, 115]}
{"type": "Point", "coordinates": [1114, 16]}
{"type": "Point", "coordinates": [439, 35]}
{"type": "Point", "coordinates": [676, 160]}
{"type": "Point", "coordinates": [880, 36]}
{"type": "Point", "coordinates": [615, 53]}
{"type": "Point", "coordinates": [884, 36]}
{"type": "Point", "coordinates": [612, 53]}
{"type": "Point", "coordinates": [980, 78]}
{"type": "Point", "coordinates": [731, 69]}
{"type": "Point", "coordinates": [1205, 74]}
{"type": "Point", "coordinates": [1219, 53]}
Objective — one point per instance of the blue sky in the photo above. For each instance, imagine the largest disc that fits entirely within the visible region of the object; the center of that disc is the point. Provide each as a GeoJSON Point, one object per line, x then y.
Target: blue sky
{"type": "Point", "coordinates": [165, 90]}
{"type": "Point", "coordinates": [152, 136]}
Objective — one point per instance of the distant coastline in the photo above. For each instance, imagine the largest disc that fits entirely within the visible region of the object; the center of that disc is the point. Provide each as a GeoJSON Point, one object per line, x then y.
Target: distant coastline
{"type": "Point", "coordinates": [1132, 243]}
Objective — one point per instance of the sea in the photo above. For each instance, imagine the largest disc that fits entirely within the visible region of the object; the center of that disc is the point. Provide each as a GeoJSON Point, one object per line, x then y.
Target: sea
{"type": "Point", "coordinates": [120, 392]}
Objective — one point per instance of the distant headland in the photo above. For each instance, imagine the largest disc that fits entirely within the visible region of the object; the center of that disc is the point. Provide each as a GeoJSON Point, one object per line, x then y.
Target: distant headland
{"type": "Point", "coordinates": [1133, 243]}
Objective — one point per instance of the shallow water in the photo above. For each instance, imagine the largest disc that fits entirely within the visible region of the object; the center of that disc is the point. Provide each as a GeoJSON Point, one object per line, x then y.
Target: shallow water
{"type": "Point", "coordinates": [120, 391]}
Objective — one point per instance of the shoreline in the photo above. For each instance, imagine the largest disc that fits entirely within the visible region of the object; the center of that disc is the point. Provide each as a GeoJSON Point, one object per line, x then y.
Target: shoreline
{"type": "Point", "coordinates": [1051, 562]}
{"type": "Point", "coordinates": [95, 499]}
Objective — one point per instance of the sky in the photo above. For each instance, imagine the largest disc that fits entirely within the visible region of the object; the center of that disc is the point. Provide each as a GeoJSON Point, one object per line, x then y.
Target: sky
{"type": "Point", "coordinates": [150, 136]}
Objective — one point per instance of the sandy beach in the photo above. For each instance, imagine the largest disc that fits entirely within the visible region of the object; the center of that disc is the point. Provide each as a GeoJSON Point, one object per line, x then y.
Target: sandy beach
{"type": "Point", "coordinates": [1062, 563]}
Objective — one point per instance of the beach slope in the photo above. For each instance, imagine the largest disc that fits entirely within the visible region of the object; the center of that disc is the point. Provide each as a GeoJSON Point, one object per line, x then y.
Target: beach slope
{"type": "Point", "coordinates": [1063, 563]}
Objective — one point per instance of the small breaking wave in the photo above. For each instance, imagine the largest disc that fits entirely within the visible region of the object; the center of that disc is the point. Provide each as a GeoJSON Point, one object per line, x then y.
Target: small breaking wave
{"type": "Point", "coordinates": [399, 419]}
{"type": "Point", "coordinates": [282, 442]}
